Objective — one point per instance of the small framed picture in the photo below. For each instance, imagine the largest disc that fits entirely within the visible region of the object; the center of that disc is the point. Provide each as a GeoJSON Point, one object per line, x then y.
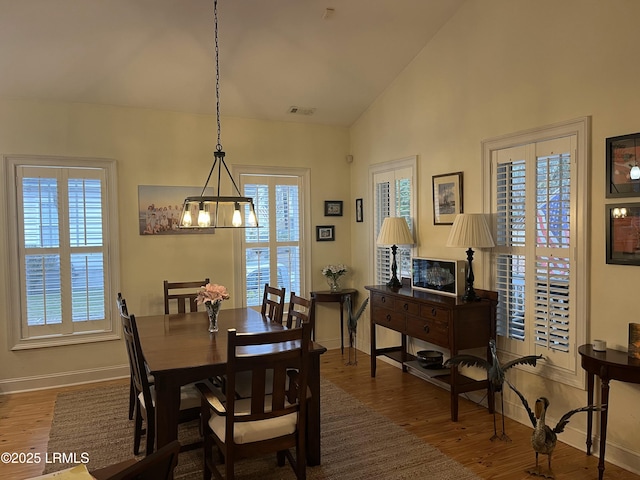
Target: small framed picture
{"type": "Point", "coordinates": [447, 198]}
{"type": "Point", "coordinates": [325, 233]}
{"type": "Point", "coordinates": [333, 208]}
{"type": "Point", "coordinates": [623, 169]}
{"type": "Point", "coordinates": [359, 210]}
{"type": "Point", "coordinates": [623, 234]}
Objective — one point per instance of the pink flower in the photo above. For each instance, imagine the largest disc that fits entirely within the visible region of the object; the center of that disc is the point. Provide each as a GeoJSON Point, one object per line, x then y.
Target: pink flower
{"type": "Point", "coordinates": [212, 293]}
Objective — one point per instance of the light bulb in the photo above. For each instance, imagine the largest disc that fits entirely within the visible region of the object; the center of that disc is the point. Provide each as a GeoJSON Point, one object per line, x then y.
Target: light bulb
{"type": "Point", "coordinates": [204, 219]}
{"type": "Point", "coordinates": [186, 219]}
{"type": "Point", "coordinates": [253, 221]}
{"type": "Point", "coordinates": [635, 172]}
{"type": "Point", "coordinates": [236, 221]}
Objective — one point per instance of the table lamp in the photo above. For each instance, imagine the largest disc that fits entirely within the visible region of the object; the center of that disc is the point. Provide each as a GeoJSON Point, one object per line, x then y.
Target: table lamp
{"type": "Point", "coordinates": [470, 230]}
{"type": "Point", "coordinates": [394, 232]}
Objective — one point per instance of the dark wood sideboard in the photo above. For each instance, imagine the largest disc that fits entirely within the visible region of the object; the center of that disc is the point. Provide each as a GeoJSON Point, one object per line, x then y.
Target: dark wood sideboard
{"type": "Point", "coordinates": [441, 320]}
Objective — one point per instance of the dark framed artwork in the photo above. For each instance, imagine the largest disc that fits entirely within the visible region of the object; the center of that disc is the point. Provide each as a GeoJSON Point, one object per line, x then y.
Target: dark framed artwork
{"type": "Point", "coordinates": [333, 208]}
{"type": "Point", "coordinates": [623, 169]}
{"type": "Point", "coordinates": [447, 197]}
{"type": "Point", "coordinates": [160, 208]}
{"type": "Point", "coordinates": [325, 233]}
{"type": "Point", "coordinates": [359, 217]}
{"type": "Point", "coordinates": [623, 234]}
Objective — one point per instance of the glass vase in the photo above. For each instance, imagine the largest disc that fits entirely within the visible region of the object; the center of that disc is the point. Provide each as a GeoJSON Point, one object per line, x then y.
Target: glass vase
{"type": "Point", "coordinates": [213, 308]}
{"type": "Point", "coordinates": [334, 284]}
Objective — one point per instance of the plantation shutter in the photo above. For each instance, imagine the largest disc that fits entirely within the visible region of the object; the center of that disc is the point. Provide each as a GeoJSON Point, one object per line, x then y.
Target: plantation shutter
{"type": "Point", "coordinates": [533, 203]}
{"type": "Point", "coordinates": [393, 196]}
{"type": "Point", "coordinates": [272, 253]}
{"type": "Point", "coordinates": [62, 247]}
{"type": "Point", "coordinates": [553, 281]}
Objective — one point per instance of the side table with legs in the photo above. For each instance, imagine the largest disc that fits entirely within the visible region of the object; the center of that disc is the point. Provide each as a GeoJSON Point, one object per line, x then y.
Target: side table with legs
{"type": "Point", "coordinates": [328, 296]}
{"type": "Point", "coordinates": [608, 365]}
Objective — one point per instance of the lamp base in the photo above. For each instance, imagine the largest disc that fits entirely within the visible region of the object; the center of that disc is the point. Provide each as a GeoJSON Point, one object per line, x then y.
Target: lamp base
{"type": "Point", "coordinates": [394, 283]}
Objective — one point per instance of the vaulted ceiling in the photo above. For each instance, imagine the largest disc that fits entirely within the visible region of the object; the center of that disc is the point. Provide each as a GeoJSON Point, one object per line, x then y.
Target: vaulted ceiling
{"type": "Point", "coordinates": [330, 56]}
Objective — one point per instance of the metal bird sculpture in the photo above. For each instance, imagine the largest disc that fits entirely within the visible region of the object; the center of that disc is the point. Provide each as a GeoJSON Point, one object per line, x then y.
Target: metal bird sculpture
{"type": "Point", "coordinates": [544, 438]}
{"type": "Point", "coordinates": [352, 325]}
{"type": "Point", "coordinates": [495, 374]}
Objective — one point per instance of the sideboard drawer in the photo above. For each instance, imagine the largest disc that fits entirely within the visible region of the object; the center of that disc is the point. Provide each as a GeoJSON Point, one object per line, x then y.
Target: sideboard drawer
{"type": "Point", "coordinates": [429, 330]}
{"type": "Point", "coordinates": [381, 300]}
{"type": "Point", "coordinates": [432, 312]}
{"type": "Point", "coordinates": [406, 306]}
{"type": "Point", "coordinates": [388, 318]}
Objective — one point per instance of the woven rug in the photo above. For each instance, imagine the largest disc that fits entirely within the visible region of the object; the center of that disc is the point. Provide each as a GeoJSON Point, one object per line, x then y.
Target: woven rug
{"type": "Point", "coordinates": [357, 443]}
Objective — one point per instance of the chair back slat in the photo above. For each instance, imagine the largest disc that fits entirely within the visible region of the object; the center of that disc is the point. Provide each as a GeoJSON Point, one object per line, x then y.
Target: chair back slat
{"type": "Point", "coordinates": [301, 310]}
{"type": "Point", "coordinates": [273, 303]}
{"type": "Point", "coordinates": [175, 292]}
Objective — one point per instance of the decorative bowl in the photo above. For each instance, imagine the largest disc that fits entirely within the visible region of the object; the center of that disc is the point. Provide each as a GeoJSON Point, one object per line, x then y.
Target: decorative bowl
{"type": "Point", "coordinates": [430, 358]}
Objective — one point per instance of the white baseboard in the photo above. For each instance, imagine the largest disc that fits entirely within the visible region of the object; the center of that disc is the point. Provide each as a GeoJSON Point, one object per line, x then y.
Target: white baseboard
{"type": "Point", "coordinates": [40, 382]}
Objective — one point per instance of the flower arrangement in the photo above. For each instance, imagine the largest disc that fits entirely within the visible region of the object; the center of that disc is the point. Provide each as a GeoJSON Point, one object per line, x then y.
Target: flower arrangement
{"type": "Point", "coordinates": [212, 293]}
{"type": "Point", "coordinates": [333, 274]}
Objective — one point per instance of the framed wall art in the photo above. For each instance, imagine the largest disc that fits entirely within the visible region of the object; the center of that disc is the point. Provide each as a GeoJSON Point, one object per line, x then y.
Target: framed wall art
{"type": "Point", "coordinates": [333, 208]}
{"type": "Point", "coordinates": [325, 233]}
{"type": "Point", "coordinates": [623, 234]}
{"type": "Point", "coordinates": [623, 169]}
{"type": "Point", "coordinates": [359, 217]}
{"type": "Point", "coordinates": [160, 207]}
{"type": "Point", "coordinates": [447, 197]}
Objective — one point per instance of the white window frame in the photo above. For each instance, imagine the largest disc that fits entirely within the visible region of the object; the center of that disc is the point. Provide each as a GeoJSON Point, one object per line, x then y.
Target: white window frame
{"type": "Point", "coordinates": [304, 177]}
{"type": "Point", "coordinates": [406, 167]}
{"type": "Point", "coordinates": [17, 331]}
{"type": "Point", "coordinates": [569, 373]}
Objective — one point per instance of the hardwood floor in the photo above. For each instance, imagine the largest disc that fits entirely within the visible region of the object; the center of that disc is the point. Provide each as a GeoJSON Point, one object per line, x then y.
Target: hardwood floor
{"type": "Point", "coordinates": [416, 405]}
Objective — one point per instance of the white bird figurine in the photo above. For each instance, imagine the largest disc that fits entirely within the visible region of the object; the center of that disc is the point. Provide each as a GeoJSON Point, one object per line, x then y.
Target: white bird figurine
{"type": "Point", "coordinates": [544, 438]}
{"type": "Point", "coordinates": [495, 374]}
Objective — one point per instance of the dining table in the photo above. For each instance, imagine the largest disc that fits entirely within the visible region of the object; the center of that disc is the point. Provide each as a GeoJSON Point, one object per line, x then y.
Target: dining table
{"type": "Point", "coordinates": [178, 350]}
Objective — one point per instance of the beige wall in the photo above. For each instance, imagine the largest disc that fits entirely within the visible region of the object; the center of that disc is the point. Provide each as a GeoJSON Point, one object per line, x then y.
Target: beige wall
{"type": "Point", "coordinates": [498, 67]}
{"type": "Point", "coordinates": [165, 148]}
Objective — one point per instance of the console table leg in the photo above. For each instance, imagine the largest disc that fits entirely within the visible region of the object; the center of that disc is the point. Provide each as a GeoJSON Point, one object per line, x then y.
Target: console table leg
{"type": "Point", "coordinates": [604, 399]}
{"type": "Point", "coordinates": [373, 349]}
{"type": "Point", "coordinates": [590, 386]}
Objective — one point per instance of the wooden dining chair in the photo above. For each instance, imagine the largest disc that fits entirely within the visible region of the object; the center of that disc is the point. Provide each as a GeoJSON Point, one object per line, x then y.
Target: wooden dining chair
{"type": "Point", "coordinates": [144, 408]}
{"type": "Point", "coordinates": [273, 303]}
{"type": "Point", "coordinates": [157, 466]}
{"type": "Point", "coordinates": [301, 310]}
{"type": "Point", "coordinates": [266, 422]}
{"type": "Point", "coordinates": [124, 312]}
{"type": "Point", "coordinates": [177, 292]}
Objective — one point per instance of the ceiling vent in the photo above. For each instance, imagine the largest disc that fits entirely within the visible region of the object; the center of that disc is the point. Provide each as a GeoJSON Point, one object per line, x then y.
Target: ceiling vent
{"type": "Point", "coordinates": [301, 110]}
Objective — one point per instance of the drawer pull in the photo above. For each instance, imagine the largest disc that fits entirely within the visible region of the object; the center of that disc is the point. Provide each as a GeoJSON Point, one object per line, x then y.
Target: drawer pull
{"type": "Point", "coordinates": [383, 299]}
{"type": "Point", "coordinates": [388, 317]}
{"type": "Point", "coordinates": [433, 312]}
{"type": "Point", "coordinates": [406, 306]}
{"type": "Point", "coordinates": [426, 329]}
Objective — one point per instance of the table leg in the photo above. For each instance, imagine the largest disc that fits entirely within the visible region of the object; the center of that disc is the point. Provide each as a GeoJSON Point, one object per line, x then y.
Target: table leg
{"type": "Point", "coordinates": [167, 412]}
{"type": "Point", "coordinates": [604, 399]}
{"type": "Point", "coordinates": [342, 324]}
{"type": "Point", "coordinates": [454, 393]}
{"type": "Point", "coordinates": [373, 349]}
{"type": "Point", "coordinates": [590, 386]}
{"type": "Point", "coordinates": [313, 413]}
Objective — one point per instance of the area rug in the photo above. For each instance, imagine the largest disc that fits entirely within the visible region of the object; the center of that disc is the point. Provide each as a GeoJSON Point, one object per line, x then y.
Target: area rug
{"type": "Point", "coordinates": [357, 443]}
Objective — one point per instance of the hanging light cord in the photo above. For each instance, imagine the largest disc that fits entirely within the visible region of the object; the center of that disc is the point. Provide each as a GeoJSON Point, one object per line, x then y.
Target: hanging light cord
{"type": "Point", "coordinates": [215, 20]}
{"type": "Point", "coordinates": [218, 154]}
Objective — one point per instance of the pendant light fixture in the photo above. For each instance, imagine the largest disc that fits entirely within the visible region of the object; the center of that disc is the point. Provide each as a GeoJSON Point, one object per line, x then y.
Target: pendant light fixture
{"type": "Point", "coordinates": [218, 211]}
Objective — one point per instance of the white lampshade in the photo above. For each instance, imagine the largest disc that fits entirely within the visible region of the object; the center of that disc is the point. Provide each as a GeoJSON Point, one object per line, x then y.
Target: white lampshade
{"type": "Point", "coordinates": [470, 230]}
{"type": "Point", "coordinates": [395, 231]}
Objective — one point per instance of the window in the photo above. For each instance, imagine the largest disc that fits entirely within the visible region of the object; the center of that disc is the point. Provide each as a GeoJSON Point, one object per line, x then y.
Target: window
{"type": "Point", "coordinates": [536, 193]}
{"type": "Point", "coordinates": [393, 195]}
{"type": "Point", "coordinates": [275, 252]}
{"type": "Point", "coordinates": [63, 270]}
